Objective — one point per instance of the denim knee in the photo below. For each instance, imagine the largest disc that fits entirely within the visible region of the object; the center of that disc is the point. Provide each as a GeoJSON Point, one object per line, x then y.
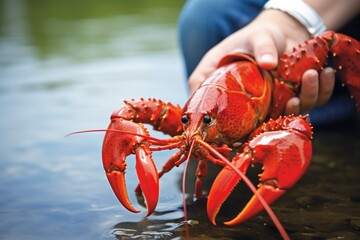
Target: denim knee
{"type": "Point", "coordinates": [204, 23]}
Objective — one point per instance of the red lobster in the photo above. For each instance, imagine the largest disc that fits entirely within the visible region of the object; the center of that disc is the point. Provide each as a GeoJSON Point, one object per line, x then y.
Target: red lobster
{"type": "Point", "coordinates": [238, 108]}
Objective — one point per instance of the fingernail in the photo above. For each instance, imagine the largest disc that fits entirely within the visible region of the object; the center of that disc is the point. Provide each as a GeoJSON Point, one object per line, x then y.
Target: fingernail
{"type": "Point", "coordinates": [313, 78]}
{"type": "Point", "coordinates": [267, 57]}
{"type": "Point", "coordinates": [329, 73]}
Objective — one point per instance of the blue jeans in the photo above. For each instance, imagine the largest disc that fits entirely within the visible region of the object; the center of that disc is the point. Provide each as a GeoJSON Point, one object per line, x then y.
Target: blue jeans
{"type": "Point", "coordinates": [204, 23]}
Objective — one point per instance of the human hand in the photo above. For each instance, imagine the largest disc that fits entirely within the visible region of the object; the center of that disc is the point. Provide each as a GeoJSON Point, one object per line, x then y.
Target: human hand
{"type": "Point", "coordinates": [270, 34]}
{"type": "Point", "coordinates": [315, 91]}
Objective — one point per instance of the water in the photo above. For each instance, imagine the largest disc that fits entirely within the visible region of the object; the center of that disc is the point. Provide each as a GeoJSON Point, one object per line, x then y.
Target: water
{"type": "Point", "coordinates": [65, 66]}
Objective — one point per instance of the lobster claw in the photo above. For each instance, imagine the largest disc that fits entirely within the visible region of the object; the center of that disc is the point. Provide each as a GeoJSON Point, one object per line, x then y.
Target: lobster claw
{"type": "Point", "coordinates": [116, 147]}
{"type": "Point", "coordinates": [285, 154]}
{"type": "Point", "coordinates": [216, 198]}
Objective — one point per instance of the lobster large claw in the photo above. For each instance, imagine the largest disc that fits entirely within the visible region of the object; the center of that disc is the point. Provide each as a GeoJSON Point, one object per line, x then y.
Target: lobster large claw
{"type": "Point", "coordinates": [116, 147]}
{"type": "Point", "coordinates": [285, 152]}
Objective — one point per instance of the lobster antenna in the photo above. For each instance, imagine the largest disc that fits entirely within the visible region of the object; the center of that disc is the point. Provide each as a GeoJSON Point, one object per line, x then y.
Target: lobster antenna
{"type": "Point", "coordinates": [184, 180]}
{"type": "Point", "coordinates": [116, 131]}
{"type": "Point", "coordinates": [184, 189]}
{"type": "Point", "coordinates": [246, 180]}
{"type": "Point", "coordinates": [86, 131]}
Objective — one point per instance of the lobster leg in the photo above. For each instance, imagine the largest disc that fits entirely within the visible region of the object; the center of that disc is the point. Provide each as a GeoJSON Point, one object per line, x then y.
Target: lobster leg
{"type": "Point", "coordinates": [283, 147]}
{"type": "Point", "coordinates": [126, 135]}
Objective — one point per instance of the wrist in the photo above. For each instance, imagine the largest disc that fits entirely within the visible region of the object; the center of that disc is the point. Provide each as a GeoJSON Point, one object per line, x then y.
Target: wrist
{"type": "Point", "coordinates": [300, 11]}
{"type": "Point", "coordinates": [276, 20]}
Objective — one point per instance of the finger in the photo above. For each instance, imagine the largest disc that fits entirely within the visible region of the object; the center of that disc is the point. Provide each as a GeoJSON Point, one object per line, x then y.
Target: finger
{"type": "Point", "coordinates": [326, 85]}
{"type": "Point", "coordinates": [309, 90]}
{"type": "Point", "coordinates": [265, 51]}
{"type": "Point", "coordinates": [293, 106]}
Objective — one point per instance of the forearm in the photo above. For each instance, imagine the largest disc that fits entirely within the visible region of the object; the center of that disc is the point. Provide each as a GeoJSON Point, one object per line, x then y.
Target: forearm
{"type": "Point", "coordinates": [335, 13]}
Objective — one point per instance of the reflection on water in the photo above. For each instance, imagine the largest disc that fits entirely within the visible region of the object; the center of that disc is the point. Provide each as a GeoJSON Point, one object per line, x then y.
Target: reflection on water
{"type": "Point", "coordinates": [66, 66]}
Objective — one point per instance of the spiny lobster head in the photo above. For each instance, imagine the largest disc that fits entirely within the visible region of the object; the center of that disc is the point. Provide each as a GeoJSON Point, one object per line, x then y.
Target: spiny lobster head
{"type": "Point", "coordinates": [200, 125]}
{"type": "Point", "coordinates": [225, 109]}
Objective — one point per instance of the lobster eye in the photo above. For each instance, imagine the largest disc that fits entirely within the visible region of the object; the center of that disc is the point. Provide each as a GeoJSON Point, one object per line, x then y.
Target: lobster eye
{"type": "Point", "coordinates": [207, 119]}
{"type": "Point", "coordinates": [184, 119]}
